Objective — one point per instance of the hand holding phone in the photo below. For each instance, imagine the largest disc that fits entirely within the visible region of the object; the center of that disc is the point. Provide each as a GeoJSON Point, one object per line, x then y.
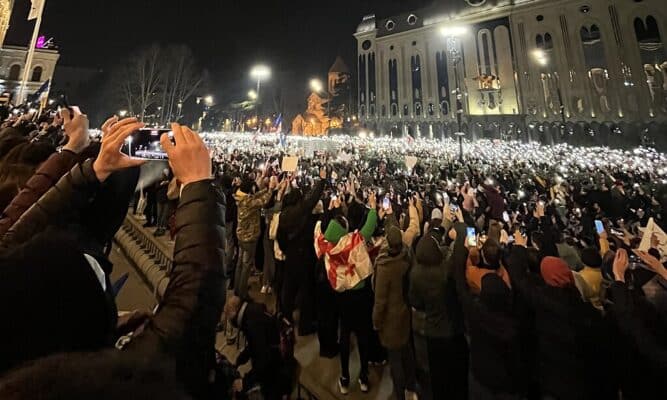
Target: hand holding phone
{"type": "Point", "coordinates": [386, 203]}
{"type": "Point", "coordinates": [471, 237]}
{"type": "Point", "coordinates": [144, 144]}
{"type": "Point", "coordinates": [599, 226]}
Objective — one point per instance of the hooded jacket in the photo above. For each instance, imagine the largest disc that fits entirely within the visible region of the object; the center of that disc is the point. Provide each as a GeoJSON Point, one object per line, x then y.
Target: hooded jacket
{"type": "Point", "coordinates": [390, 310]}
{"type": "Point", "coordinates": [249, 206]}
{"type": "Point", "coordinates": [495, 346]}
{"type": "Point", "coordinates": [432, 292]}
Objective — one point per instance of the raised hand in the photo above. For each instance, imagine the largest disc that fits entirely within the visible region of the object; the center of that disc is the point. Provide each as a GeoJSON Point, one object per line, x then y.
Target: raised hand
{"type": "Point", "coordinates": [189, 157]}
{"type": "Point", "coordinates": [76, 129]}
{"type": "Point", "coordinates": [620, 265]}
{"type": "Point", "coordinates": [110, 159]}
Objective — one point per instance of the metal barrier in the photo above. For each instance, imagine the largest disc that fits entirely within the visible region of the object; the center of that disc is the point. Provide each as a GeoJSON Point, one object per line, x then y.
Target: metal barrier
{"type": "Point", "coordinates": [152, 259]}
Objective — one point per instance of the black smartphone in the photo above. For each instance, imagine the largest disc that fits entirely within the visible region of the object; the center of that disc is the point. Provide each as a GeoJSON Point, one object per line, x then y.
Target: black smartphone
{"type": "Point", "coordinates": [144, 144]}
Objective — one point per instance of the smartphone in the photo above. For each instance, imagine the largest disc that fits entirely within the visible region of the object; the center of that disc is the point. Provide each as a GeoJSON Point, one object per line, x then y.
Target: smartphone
{"type": "Point", "coordinates": [599, 226]}
{"type": "Point", "coordinates": [386, 203]}
{"type": "Point", "coordinates": [506, 217]}
{"type": "Point", "coordinates": [471, 237]}
{"type": "Point", "coordinates": [144, 144]}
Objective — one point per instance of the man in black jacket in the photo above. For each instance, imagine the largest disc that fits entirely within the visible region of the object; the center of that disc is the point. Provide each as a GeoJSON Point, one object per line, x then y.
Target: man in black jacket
{"type": "Point", "coordinates": [296, 241]}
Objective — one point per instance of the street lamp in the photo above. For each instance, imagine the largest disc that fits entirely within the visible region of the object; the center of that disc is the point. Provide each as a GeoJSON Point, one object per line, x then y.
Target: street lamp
{"type": "Point", "coordinates": [252, 95]}
{"type": "Point", "coordinates": [542, 58]}
{"type": "Point", "coordinates": [208, 100]}
{"type": "Point", "coordinates": [122, 113]}
{"type": "Point", "coordinates": [260, 73]}
{"type": "Point", "coordinates": [453, 34]}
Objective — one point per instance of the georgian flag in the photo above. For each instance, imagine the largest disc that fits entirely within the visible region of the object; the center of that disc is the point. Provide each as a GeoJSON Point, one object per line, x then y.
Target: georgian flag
{"type": "Point", "coordinates": [35, 9]}
{"type": "Point", "coordinates": [348, 262]}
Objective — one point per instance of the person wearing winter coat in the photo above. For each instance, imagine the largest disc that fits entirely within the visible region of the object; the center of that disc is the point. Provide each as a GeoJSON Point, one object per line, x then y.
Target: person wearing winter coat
{"type": "Point", "coordinates": [571, 343]}
{"type": "Point", "coordinates": [183, 325]}
{"type": "Point", "coordinates": [391, 311]}
{"type": "Point", "coordinates": [438, 322]}
{"type": "Point", "coordinates": [496, 367]}
{"type": "Point", "coordinates": [295, 238]}
{"type": "Point", "coordinates": [248, 230]}
{"type": "Point", "coordinates": [355, 304]}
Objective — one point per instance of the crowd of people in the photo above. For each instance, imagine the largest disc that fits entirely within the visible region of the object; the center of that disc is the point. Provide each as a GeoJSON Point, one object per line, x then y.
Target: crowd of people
{"type": "Point", "coordinates": [519, 271]}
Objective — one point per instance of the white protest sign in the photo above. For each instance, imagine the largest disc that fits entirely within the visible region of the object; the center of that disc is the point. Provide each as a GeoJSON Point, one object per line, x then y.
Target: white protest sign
{"type": "Point", "coordinates": [290, 164]}
{"type": "Point", "coordinates": [410, 161]}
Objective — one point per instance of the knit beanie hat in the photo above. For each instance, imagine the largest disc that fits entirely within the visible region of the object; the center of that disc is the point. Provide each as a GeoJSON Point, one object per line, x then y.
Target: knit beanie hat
{"type": "Point", "coordinates": [394, 239]}
{"type": "Point", "coordinates": [556, 273]}
{"type": "Point", "coordinates": [590, 256]}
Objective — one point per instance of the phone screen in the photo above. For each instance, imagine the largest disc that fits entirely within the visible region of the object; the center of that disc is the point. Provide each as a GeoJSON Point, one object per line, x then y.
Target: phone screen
{"type": "Point", "coordinates": [144, 144]}
{"type": "Point", "coordinates": [471, 236]}
{"type": "Point", "coordinates": [506, 216]}
{"type": "Point", "coordinates": [599, 226]}
{"type": "Point", "coordinates": [386, 203]}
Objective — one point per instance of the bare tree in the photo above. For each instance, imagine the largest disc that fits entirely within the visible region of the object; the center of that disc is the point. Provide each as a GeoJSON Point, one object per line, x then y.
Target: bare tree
{"type": "Point", "coordinates": [181, 78]}
{"type": "Point", "coordinates": [157, 82]}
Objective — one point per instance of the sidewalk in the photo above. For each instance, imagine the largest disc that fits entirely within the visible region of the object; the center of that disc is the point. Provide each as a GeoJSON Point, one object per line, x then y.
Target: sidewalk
{"type": "Point", "coordinates": [319, 376]}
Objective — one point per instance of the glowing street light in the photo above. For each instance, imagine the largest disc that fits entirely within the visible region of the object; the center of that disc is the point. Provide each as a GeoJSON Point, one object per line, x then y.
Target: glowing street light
{"type": "Point", "coordinates": [316, 85]}
{"type": "Point", "coordinates": [122, 113]}
{"type": "Point", "coordinates": [252, 95]}
{"type": "Point", "coordinates": [260, 72]}
{"type": "Point", "coordinates": [208, 100]}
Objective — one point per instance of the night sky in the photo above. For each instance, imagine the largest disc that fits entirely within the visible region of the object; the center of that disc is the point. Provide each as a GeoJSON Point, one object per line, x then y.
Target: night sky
{"type": "Point", "coordinates": [227, 36]}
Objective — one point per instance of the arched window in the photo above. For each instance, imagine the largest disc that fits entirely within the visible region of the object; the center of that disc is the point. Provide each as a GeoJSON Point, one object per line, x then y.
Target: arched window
{"type": "Point", "coordinates": [14, 72]}
{"type": "Point", "coordinates": [37, 74]}
{"type": "Point", "coordinates": [548, 41]}
{"type": "Point", "coordinates": [539, 41]}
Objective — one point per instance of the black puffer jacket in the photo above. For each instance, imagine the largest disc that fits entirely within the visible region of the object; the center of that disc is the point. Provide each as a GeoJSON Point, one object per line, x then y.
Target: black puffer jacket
{"type": "Point", "coordinates": [183, 327]}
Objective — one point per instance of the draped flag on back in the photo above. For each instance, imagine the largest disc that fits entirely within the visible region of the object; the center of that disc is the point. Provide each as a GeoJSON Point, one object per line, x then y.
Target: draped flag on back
{"type": "Point", "coordinates": [348, 262]}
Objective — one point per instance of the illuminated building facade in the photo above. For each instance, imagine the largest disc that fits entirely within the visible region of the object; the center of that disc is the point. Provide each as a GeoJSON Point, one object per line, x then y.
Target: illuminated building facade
{"type": "Point", "coordinates": [5, 13]}
{"type": "Point", "coordinates": [540, 69]}
{"type": "Point", "coordinates": [12, 64]}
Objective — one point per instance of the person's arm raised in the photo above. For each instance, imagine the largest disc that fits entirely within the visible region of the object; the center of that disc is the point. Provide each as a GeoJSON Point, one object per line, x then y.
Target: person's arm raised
{"type": "Point", "coordinates": [184, 323]}
{"type": "Point", "coordinates": [66, 200]}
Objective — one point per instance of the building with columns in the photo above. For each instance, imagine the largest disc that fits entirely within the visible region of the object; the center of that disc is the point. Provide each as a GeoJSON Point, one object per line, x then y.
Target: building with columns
{"type": "Point", "coordinates": [12, 65]}
{"type": "Point", "coordinates": [538, 69]}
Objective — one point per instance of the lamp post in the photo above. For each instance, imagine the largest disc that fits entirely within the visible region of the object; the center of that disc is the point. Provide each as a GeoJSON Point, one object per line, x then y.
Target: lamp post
{"type": "Point", "coordinates": [453, 34]}
{"type": "Point", "coordinates": [542, 59]}
{"type": "Point", "coordinates": [260, 72]}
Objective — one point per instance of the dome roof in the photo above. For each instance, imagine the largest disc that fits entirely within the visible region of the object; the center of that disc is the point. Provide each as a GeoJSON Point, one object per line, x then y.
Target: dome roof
{"type": "Point", "coordinates": [367, 24]}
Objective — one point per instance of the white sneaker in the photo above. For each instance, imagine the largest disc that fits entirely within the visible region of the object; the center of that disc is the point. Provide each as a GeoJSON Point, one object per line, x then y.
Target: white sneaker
{"type": "Point", "coordinates": [343, 385]}
{"type": "Point", "coordinates": [264, 289]}
{"type": "Point", "coordinates": [363, 385]}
